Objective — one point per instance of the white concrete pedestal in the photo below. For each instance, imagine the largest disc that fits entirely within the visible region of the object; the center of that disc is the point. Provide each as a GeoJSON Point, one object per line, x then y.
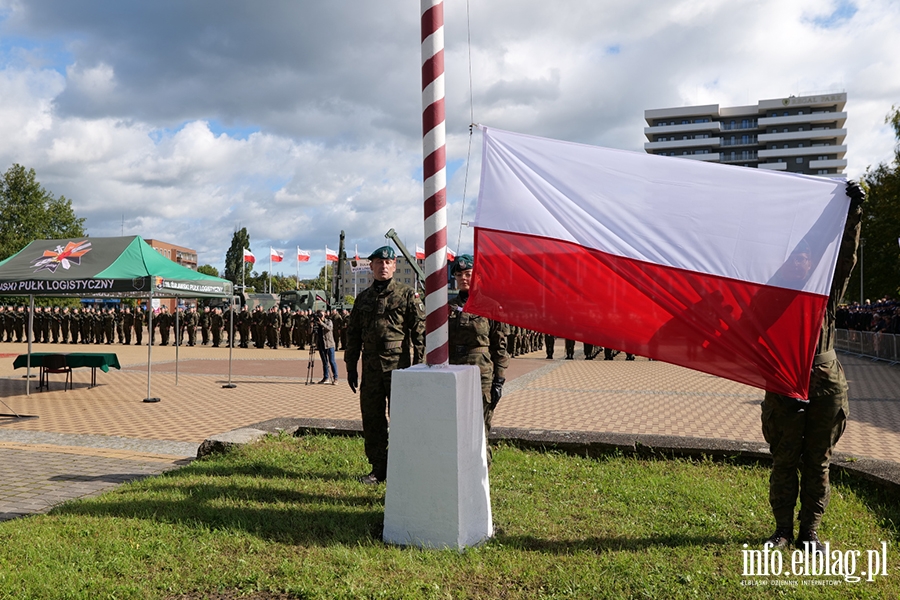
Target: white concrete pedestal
{"type": "Point", "coordinates": [438, 495]}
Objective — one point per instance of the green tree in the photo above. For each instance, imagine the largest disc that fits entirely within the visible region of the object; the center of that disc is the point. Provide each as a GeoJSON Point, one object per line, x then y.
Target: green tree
{"type": "Point", "coordinates": [28, 212]}
{"type": "Point", "coordinates": [235, 267]}
{"type": "Point", "coordinates": [208, 270]}
{"type": "Point", "coordinates": [880, 264]}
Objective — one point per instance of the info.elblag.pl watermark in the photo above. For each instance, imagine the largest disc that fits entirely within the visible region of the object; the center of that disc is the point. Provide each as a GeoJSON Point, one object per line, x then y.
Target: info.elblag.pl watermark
{"type": "Point", "coordinates": [807, 567]}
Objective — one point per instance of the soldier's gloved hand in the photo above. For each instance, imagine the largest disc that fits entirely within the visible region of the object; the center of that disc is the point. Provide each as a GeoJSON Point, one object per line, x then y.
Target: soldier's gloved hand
{"type": "Point", "coordinates": [353, 380]}
{"type": "Point", "coordinates": [496, 391]}
{"type": "Point", "coordinates": [856, 194]}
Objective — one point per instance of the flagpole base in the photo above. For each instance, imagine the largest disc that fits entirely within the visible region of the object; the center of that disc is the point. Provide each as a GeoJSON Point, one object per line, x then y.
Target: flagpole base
{"type": "Point", "coordinates": [151, 399]}
{"type": "Point", "coordinates": [229, 386]}
{"type": "Point", "coordinates": [437, 493]}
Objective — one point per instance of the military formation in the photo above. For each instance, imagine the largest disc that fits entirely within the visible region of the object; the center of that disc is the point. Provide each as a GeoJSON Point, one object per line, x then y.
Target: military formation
{"type": "Point", "coordinates": [205, 326]}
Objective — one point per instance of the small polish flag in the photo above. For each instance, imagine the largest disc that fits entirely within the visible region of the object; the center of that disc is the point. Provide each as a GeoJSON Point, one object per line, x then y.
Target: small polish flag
{"type": "Point", "coordinates": [720, 269]}
{"type": "Point", "coordinates": [277, 255]}
{"type": "Point", "coordinates": [451, 255]}
{"type": "Point", "coordinates": [248, 257]}
{"type": "Point", "coordinates": [302, 255]}
{"type": "Point", "coordinates": [420, 253]}
{"type": "Point", "coordinates": [356, 253]}
{"type": "Point", "coordinates": [330, 255]}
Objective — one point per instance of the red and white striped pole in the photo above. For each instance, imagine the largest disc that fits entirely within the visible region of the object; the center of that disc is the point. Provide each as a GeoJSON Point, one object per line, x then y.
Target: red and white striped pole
{"type": "Point", "coordinates": [435, 179]}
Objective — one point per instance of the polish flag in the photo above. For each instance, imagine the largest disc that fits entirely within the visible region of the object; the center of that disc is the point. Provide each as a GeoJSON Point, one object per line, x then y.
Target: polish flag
{"type": "Point", "coordinates": [302, 255]}
{"type": "Point", "coordinates": [420, 253]}
{"type": "Point", "coordinates": [451, 255]}
{"type": "Point", "coordinates": [277, 255]}
{"type": "Point", "coordinates": [248, 257]}
{"type": "Point", "coordinates": [678, 260]}
{"type": "Point", "coordinates": [356, 253]}
{"type": "Point", "coordinates": [330, 255]}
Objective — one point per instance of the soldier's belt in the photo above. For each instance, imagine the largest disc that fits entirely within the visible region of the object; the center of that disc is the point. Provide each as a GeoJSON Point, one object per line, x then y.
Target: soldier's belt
{"type": "Point", "coordinates": [467, 350]}
{"type": "Point", "coordinates": [825, 357]}
{"type": "Point", "coordinates": [374, 348]}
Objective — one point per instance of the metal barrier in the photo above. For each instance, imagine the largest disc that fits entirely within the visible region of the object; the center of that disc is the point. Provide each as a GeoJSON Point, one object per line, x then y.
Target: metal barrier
{"type": "Point", "coordinates": [875, 345]}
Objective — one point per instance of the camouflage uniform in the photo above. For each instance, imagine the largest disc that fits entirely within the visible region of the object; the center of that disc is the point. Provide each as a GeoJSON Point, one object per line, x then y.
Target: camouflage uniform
{"type": "Point", "coordinates": [802, 434]}
{"type": "Point", "coordinates": [204, 326]}
{"type": "Point", "coordinates": [549, 342]}
{"type": "Point", "coordinates": [164, 324]}
{"type": "Point", "coordinates": [244, 321]}
{"type": "Point", "coordinates": [191, 320]}
{"type": "Point", "coordinates": [383, 316]}
{"type": "Point", "coordinates": [216, 322]}
{"type": "Point", "coordinates": [478, 341]}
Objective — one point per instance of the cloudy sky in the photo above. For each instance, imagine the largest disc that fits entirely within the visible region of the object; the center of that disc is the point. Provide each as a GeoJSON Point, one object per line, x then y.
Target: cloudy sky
{"type": "Point", "coordinates": [186, 120]}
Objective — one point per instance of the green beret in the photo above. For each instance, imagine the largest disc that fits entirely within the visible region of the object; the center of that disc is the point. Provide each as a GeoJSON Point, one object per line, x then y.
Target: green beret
{"type": "Point", "coordinates": [385, 252]}
{"type": "Point", "coordinates": [463, 262]}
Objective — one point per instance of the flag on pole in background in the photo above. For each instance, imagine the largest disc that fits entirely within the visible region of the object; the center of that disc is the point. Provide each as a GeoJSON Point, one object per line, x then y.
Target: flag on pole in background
{"type": "Point", "coordinates": [276, 255]}
{"type": "Point", "coordinates": [451, 255]}
{"type": "Point", "coordinates": [302, 255]}
{"type": "Point", "coordinates": [248, 257]}
{"type": "Point", "coordinates": [356, 253]}
{"type": "Point", "coordinates": [420, 253]}
{"type": "Point", "coordinates": [678, 260]}
{"type": "Point", "coordinates": [330, 255]}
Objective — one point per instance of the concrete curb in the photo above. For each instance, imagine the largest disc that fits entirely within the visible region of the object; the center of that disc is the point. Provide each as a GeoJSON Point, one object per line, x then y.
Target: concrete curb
{"type": "Point", "coordinates": [581, 443]}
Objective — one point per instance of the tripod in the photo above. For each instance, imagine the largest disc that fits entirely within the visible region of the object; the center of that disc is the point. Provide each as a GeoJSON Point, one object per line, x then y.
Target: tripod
{"type": "Point", "coordinates": [310, 366]}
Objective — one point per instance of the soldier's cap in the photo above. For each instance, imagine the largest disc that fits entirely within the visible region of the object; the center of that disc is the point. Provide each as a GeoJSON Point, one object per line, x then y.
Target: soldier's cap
{"type": "Point", "coordinates": [384, 253]}
{"type": "Point", "coordinates": [463, 262]}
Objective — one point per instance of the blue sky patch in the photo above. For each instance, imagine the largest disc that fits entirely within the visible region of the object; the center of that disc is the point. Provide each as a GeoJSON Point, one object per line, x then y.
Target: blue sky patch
{"type": "Point", "coordinates": [842, 13]}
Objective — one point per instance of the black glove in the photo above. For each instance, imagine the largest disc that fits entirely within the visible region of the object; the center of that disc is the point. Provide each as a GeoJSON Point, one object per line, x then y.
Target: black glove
{"type": "Point", "coordinates": [496, 391]}
{"type": "Point", "coordinates": [856, 194]}
{"type": "Point", "coordinates": [353, 380]}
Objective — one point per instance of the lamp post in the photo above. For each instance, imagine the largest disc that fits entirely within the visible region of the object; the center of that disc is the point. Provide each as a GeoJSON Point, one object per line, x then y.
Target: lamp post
{"type": "Point", "coordinates": [862, 245]}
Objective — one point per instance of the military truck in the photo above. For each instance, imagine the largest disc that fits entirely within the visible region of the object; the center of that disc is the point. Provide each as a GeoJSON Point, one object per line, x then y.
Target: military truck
{"type": "Point", "coordinates": [303, 299]}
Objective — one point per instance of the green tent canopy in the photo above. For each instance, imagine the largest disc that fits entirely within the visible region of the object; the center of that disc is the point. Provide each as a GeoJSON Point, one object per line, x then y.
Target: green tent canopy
{"type": "Point", "coordinates": [103, 267]}
{"type": "Point", "coordinates": [115, 267]}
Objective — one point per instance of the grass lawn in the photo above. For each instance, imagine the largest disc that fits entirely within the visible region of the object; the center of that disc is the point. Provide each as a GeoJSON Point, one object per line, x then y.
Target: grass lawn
{"type": "Point", "coordinates": [286, 519]}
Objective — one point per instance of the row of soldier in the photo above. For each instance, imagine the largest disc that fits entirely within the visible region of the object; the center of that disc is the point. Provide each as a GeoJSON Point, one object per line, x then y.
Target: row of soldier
{"type": "Point", "coordinates": [273, 328]}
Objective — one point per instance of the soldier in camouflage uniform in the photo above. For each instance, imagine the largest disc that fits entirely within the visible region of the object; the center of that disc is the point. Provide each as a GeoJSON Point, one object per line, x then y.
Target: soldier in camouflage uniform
{"type": "Point", "coordinates": [204, 326]}
{"type": "Point", "coordinates": [244, 321]}
{"type": "Point", "coordinates": [802, 433]}
{"type": "Point", "coordinates": [477, 341]}
{"type": "Point", "coordinates": [383, 316]}
{"type": "Point", "coordinates": [216, 323]}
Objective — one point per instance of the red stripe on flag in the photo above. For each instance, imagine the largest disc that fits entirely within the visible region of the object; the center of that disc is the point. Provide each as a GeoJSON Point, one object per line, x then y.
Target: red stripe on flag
{"type": "Point", "coordinates": [754, 334]}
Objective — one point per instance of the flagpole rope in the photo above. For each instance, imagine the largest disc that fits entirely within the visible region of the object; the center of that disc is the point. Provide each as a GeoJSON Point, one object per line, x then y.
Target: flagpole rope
{"type": "Point", "coordinates": [462, 212]}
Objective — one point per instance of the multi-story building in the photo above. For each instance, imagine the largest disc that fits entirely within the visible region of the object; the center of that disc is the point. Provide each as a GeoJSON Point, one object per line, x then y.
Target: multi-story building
{"type": "Point", "coordinates": [797, 134]}
{"type": "Point", "coordinates": [186, 257]}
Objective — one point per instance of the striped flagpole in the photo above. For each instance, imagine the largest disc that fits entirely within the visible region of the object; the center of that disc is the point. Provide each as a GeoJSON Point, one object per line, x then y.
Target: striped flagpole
{"type": "Point", "coordinates": [435, 182]}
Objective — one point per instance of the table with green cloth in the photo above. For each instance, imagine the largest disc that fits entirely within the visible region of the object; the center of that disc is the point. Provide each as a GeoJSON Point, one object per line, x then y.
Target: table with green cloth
{"type": "Point", "coordinates": [74, 360]}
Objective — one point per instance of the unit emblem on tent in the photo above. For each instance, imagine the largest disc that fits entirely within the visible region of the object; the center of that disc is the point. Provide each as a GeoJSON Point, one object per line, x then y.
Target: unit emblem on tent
{"type": "Point", "coordinates": [68, 256]}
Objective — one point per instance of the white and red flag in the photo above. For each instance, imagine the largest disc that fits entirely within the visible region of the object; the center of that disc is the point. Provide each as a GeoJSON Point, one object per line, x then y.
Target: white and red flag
{"type": "Point", "coordinates": [248, 257]}
{"type": "Point", "coordinates": [678, 260]}
{"type": "Point", "coordinates": [330, 255]}
{"type": "Point", "coordinates": [420, 253]}
{"type": "Point", "coordinates": [451, 255]}
{"type": "Point", "coordinates": [302, 255]}
{"type": "Point", "coordinates": [276, 255]}
{"type": "Point", "coordinates": [356, 253]}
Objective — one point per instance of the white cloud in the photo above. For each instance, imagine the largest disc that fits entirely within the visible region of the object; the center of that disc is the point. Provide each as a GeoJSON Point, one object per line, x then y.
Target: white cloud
{"type": "Point", "coordinates": [124, 114]}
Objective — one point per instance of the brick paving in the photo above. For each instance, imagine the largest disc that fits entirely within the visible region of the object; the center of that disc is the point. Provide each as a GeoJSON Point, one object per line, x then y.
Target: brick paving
{"type": "Point", "coordinates": [86, 440]}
